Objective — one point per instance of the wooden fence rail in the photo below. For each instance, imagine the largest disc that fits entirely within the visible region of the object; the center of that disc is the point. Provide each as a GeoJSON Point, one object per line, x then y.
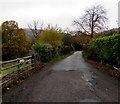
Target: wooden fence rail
{"type": "Point", "coordinates": [14, 68]}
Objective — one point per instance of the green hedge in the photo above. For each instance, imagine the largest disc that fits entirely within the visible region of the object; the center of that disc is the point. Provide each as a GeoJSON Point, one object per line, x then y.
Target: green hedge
{"type": "Point", "coordinates": [65, 49]}
{"type": "Point", "coordinates": [108, 49]}
{"type": "Point", "coordinates": [46, 52]}
{"type": "Point", "coordinates": [89, 52]}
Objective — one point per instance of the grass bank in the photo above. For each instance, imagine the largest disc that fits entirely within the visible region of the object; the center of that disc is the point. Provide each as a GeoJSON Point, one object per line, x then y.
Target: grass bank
{"type": "Point", "coordinates": [57, 58]}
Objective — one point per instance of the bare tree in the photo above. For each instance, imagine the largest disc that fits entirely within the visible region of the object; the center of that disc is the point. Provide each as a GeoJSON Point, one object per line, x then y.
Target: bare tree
{"type": "Point", "coordinates": [93, 21]}
{"type": "Point", "coordinates": [36, 29]}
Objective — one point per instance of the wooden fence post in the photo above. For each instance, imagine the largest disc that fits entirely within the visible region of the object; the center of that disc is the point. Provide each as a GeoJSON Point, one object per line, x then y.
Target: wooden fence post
{"type": "Point", "coordinates": [33, 56]}
{"type": "Point", "coordinates": [32, 60]}
{"type": "Point", "coordinates": [18, 66]}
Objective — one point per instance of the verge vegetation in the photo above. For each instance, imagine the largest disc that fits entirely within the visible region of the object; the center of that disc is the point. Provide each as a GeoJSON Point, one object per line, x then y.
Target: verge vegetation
{"type": "Point", "coordinates": [105, 49]}
{"type": "Point", "coordinates": [104, 54]}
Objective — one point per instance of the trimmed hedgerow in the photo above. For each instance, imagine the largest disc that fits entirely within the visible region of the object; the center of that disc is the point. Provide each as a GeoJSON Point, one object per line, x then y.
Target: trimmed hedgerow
{"type": "Point", "coordinates": [65, 49]}
{"type": "Point", "coordinates": [89, 52]}
{"type": "Point", "coordinates": [108, 49]}
{"type": "Point", "coordinates": [45, 52]}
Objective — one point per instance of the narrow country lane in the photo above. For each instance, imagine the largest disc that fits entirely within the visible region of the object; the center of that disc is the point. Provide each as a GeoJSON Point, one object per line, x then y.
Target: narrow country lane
{"type": "Point", "coordinates": [69, 80]}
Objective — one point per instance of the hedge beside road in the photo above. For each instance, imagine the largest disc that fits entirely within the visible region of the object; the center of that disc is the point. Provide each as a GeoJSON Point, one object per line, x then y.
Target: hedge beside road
{"type": "Point", "coordinates": [106, 49]}
{"type": "Point", "coordinates": [45, 52]}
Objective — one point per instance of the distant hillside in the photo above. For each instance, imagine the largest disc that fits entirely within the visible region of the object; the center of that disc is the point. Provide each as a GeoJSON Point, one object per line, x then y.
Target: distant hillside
{"type": "Point", "coordinates": [101, 34]}
{"type": "Point", "coordinates": [111, 31]}
{"type": "Point", "coordinates": [28, 33]}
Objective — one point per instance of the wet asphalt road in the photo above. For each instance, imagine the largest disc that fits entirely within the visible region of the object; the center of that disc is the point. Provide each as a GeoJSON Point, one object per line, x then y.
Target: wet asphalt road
{"type": "Point", "coordinates": [69, 80]}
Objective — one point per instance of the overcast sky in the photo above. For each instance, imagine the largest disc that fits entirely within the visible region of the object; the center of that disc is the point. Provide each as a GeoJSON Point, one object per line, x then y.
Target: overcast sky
{"type": "Point", "coordinates": [60, 12]}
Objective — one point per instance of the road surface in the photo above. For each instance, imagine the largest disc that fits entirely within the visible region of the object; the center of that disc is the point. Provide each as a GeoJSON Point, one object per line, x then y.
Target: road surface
{"type": "Point", "coordinates": [69, 80]}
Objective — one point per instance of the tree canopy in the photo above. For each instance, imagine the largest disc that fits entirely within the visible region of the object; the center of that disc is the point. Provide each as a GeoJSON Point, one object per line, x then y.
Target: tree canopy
{"type": "Point", "coordinates": [93, 21]}
{"type": "Point", "coordinates": [51, 36]}
{"type": "Point", "coordinates": [14, 40]}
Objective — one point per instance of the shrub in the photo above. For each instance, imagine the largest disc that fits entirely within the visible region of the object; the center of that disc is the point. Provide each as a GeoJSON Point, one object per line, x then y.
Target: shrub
{"type": "Point", "coordinates": [10, 52]}
{"type": "Point", "coordinates": [46, 52]}
{"type": "Point", "coordinates": [108, 49]}
{"type": "Point", "coordinates": [65, 49]}
{"type": "Point", "coordinates": [42, 49]}
{"type": "Point", "coordinates": [89, 52]}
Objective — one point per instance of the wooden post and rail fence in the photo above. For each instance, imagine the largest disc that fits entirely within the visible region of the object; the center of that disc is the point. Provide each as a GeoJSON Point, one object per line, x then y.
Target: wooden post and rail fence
{"type": "Point", "coordinates": [10, 70]}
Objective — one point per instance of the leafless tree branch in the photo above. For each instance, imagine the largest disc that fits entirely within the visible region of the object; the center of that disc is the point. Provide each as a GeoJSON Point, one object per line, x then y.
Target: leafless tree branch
{"type": "Point", "coordinates": [93, 21]}
{"type": "Point", "coordinates": [36, 29]}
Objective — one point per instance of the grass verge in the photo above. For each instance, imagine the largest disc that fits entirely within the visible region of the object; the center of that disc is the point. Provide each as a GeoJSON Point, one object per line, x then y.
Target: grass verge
{"type": "Point", "coordinates": [7, 71]}
{"type": "Point", "coordinates": [57, 58]}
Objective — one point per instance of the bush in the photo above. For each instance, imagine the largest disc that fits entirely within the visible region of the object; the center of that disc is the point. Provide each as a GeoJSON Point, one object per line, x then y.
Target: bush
{"type": "Point", "coordinates": [89, 52]}
{"type": "Point", "coordinates": [65, 49]}
{"type": "Point", "coordinates": [46, 52]}
{"type": "Point", "coordinates": [10, 52]}
{"type": "Point", "coordinates": [42, 49]}
{"type": "Point", "coordinates": [108, 49]}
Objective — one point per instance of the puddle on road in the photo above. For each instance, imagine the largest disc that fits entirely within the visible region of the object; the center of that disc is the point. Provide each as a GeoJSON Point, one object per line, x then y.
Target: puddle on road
{"type": "Point", "coordinates": [87, 76]}
{"type": "Point", "coordinates": [90, 80]}
{"type": "Point", "coordinates": [89, 100]}
{"type": "Point", "coordinates": [69, 69]}
{"type": "Point", "coordinates": [93, 82]}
